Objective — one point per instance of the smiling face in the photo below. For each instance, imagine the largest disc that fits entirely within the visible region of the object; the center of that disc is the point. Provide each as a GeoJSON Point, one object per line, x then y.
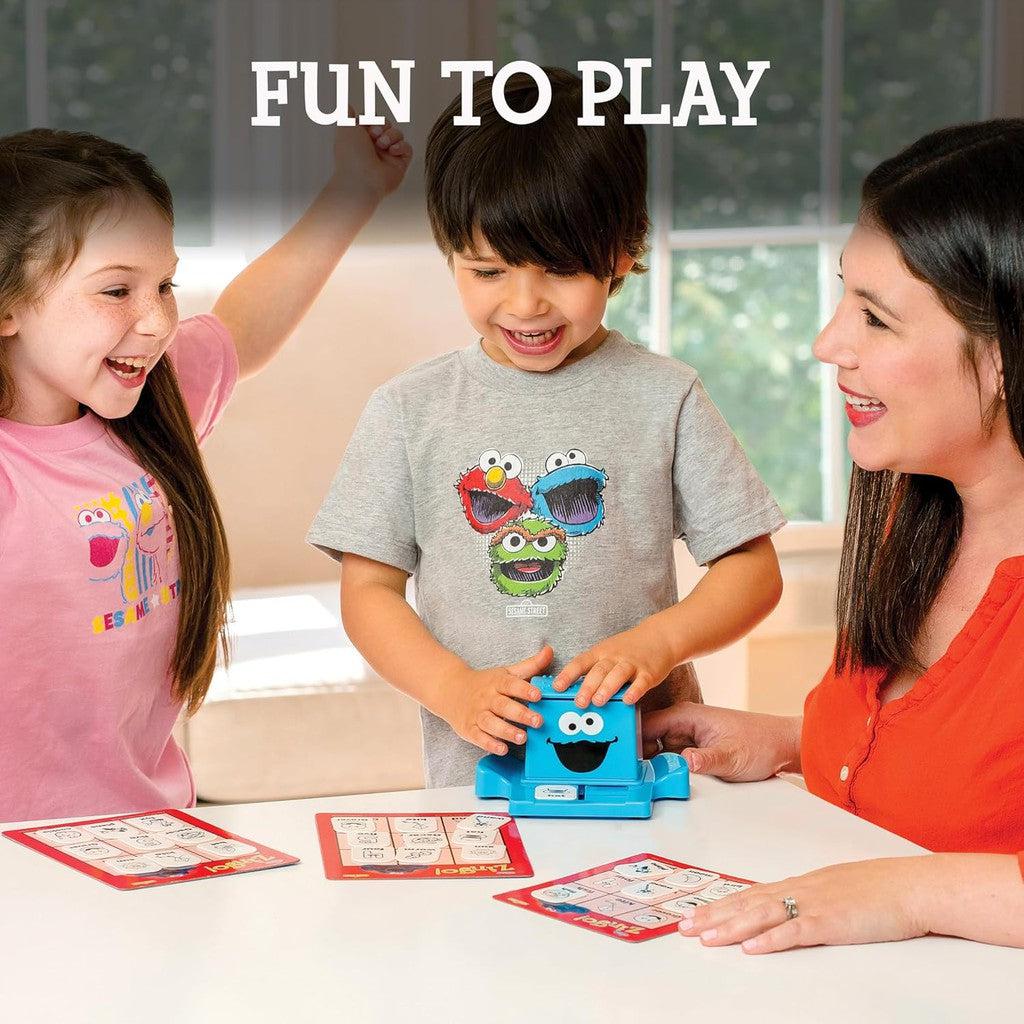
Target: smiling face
{"type": "Point", "coordinates": [582, 747]}
{"type": "Point", "coordinates": [93, 336]}
{"type": "Point", "coordinates": [528, 316]}
{"type": "Point", "coordinates": [911, 396]}
{"type": "Point", "coordinates": [527, 558]}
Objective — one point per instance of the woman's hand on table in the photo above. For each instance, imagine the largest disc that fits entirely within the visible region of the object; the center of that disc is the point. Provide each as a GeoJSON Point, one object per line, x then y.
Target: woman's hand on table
{"type": "Point", "coordinates": [739, 746]}
{"type": "Point", "coordinates": [865, 901]}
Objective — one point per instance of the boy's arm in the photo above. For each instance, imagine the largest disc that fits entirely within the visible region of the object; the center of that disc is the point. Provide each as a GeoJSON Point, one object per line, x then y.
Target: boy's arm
{"type": "Point", "coordinates": [480, 705]}
{"type": "Point", "coordinates": [739, 589]}
{"type": "Point", "coordinates": [263, 305]}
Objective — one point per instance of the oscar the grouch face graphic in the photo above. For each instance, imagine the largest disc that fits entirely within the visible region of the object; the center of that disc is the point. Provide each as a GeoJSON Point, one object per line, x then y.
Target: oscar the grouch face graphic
{"type": "Point", "coordinates": [527, 557]}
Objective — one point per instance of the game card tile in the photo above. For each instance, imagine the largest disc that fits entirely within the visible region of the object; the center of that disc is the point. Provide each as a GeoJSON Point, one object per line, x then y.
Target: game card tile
{"type": "Point", "coordinates": [343, 824]}
{"type": "Point", "coordinates": [677, 905]}
{"type": "Point", "coordinates": [567, 893]}
{"type": "Point", "coordinates": [191, 836]}
{"type": "Point", "coordinates": [145, 842]}
{"type": "Point", "coordinates": [644, 869]}
{"type": "Point", "coordinates": [650, 918]}
{"type": "Point", "coordinates": [484, 821]}
{"type": "Point", "coordinates": [154, 822]}
{"type": "Point", "coordinates": [689, 881]}
{"type": "Point", "coordinates": [415, 824]}
{"type": "Point", "coordinates": [377, 855]}
{"type": "Point", "coordinates": [611, 906]}
{"type": "Point", "coordinates": [131, 865]}
{"type": "Point", "coordinates": [369, 840]}
{"type": "Point", "coordinates": [61, 836]}
{"type": "Point", "coordinates": [484, 854]}
{"type": "Point", "coordinates": [422, 855]}
{"type": "Point", "coordinates": [175, 858]}
{"type": "Point", "coordinates": [423, 841]}
{"type": "Point", "coordinates": [648, 892]}
{"type": "Point", "coordinates": [607, 881]}
{"type": "Point", "coordinates": [221, 849]}
{"type": "Point", "coordinates": [719, 890]}
{"type": "Point", "coordinates": [91, 851]}
{"type": "Point", "coordinates": [627, 899]}
{"type": "Point", "coordinates": [111, 829]}
{"type": "Point", "coordinates": [473, 837]}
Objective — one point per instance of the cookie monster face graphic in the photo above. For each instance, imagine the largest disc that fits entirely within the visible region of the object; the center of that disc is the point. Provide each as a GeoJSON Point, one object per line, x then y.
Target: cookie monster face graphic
{"type": "Point", "coordinates": [527, 557]}
{"type": "Point", "coordinates": [582, 745]}
{"type": "Point", "coordinates": [492, 493]}
{"type": "Point", "coordinates": [569, 493]}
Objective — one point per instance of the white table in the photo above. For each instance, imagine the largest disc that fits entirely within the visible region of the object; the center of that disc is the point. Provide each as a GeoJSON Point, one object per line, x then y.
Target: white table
{"type": "Point", "coordinates": [288, 946]}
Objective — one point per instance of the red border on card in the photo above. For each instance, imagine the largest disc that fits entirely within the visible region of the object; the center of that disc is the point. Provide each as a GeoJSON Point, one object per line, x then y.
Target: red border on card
{"type": "Point", "coordinates": [600, 923]}
{"type": "Point", "coordinates": [262, 859]}
{"type": "Point", "coordinates": [518, 867]}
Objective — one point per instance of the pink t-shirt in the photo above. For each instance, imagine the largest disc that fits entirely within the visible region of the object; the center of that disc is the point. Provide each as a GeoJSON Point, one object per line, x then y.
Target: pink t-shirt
{"type": "Point", "coordinates": [89, 608]}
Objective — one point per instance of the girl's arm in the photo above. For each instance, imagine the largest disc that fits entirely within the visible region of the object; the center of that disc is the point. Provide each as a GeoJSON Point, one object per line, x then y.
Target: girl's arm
{"type": "Point", "coordinates": [263, 305]}
{"type": "Point", "coordinates": [976, 896]}
{"type": "Point", "coordinates": [734, 595]}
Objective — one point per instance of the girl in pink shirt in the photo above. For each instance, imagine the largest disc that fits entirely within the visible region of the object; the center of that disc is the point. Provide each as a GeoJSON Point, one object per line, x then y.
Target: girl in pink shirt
{"type": "Point", "coordinates": [113, 562]}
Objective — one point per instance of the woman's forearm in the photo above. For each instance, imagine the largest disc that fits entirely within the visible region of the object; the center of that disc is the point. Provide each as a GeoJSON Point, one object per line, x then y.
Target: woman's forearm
{"type": "Point", "coordinates": [976, 896]}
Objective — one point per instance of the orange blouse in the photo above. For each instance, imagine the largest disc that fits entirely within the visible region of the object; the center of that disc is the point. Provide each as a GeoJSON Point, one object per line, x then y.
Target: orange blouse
{"type": "Point", "coordinates": [943, 765]}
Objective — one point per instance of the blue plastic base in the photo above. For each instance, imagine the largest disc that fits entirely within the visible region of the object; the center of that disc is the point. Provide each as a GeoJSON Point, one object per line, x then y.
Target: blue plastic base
{"type": "Point", "coordinates": [665, 776]}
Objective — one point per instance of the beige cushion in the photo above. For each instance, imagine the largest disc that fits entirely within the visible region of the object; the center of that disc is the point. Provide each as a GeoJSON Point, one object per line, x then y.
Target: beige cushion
{"type": "Point", "coordinates": [298, 713]}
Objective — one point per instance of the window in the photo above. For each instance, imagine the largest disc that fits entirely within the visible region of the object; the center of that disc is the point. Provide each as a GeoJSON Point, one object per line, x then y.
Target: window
{"type": "Point", "coordinates": [748, 223]}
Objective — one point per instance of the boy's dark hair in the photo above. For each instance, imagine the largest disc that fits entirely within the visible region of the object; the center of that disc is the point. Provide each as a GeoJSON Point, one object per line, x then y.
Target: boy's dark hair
{"type": "Point", "coordinates": [567, 197]}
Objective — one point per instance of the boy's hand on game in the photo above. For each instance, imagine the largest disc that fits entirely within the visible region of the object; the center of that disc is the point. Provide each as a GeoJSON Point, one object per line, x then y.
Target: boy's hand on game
{"type": "Point", "coordinates": [486, 703]}
{"type": "Point", "coordinates": [374, 156]}
{"type": "Point", "coordinates": [640, 656]}
{"type": "Point", "coordinates": [739, 746]}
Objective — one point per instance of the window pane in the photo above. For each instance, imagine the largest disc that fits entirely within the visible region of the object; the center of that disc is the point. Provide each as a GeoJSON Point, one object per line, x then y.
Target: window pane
{"type": "Point", "coordinates": [13, 114]}
{"type": "Point", "coordinates": [629, 309]}
{"type": "Point", "coordinates": [140, 72]}
{"type": "Point", "coordinates": [910, 67]}
{"type": "Point", "coordinates": [731, 176]}
{"type": "Point", "coordinates": [564, 32]}
{"type": "Point", "coordinates": [746, 319]}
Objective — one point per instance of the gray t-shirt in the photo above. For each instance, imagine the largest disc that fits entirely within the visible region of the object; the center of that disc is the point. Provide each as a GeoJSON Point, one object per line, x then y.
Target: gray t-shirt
{"type": "Point", "coordinates": [538, 508]}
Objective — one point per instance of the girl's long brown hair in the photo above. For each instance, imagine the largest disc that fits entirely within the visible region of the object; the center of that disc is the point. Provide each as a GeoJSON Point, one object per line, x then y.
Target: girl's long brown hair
{"type": "Point", "coordinates": [53, 184]}
{"type": "Point", "coordinates": [953, 205]}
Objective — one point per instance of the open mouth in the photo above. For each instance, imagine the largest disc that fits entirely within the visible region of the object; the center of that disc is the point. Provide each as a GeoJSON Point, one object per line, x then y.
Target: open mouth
{"type": "Point", "coordinates": [574, 503]}
{"type": "Point", "coordinates": [488, 507]}
{"type": "Point", "coordinates": [583, 755]}
{"type": "Point", "coordinates": [102, 550]}
{"type": "Point", "coordinates": [528, 571]}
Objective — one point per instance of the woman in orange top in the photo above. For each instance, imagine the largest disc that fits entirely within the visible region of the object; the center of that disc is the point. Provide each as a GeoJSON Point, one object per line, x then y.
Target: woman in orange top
{"type": "Point", "coordinates": [918, 725]}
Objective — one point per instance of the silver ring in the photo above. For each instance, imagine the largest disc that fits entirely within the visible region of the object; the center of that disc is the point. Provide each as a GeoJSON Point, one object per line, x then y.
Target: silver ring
{"type": "Point", "coordinates": [790, 904]}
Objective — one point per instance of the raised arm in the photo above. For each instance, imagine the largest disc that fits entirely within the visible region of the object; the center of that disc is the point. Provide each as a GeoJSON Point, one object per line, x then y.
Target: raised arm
{"type": "Point", "coordinates": [263, 305]}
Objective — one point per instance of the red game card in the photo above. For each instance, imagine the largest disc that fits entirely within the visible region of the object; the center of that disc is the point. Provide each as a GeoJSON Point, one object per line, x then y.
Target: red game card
{"type": "Point", "coordinates": [444, 845]}
{"type": "Point", "coordinates": [139, 851]}
{"type": "Point", "coordinates": [633, 899]}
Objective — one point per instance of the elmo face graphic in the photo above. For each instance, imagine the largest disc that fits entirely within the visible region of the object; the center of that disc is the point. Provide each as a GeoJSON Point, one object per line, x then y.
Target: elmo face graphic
{"type": "Point", "coordinates": [491, 492]}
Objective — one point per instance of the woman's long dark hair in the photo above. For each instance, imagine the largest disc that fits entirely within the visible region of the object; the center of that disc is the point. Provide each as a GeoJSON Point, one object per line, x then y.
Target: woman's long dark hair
{"type": "Point", "coordinates": [953, 205]}
{"type": "Point", "coordinates": [53, 184]}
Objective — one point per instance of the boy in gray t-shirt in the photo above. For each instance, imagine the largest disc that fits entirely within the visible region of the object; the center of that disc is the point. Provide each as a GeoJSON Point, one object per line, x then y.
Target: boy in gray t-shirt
{"type": "Point", "coordinates": [533, 483]}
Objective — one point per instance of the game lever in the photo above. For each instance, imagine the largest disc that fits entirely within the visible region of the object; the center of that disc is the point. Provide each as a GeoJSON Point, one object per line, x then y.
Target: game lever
{"type": "Point", "coordinates": [582, 764]}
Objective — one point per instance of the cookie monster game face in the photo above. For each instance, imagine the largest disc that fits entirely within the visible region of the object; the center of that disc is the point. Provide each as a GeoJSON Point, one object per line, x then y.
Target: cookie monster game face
{"type": "Point", "coordinates": [579, 746]}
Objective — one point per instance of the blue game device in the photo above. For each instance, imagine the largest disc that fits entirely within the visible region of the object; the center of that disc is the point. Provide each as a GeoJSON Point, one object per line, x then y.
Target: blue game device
{"type": "Point", "coordinates": [582, 764]}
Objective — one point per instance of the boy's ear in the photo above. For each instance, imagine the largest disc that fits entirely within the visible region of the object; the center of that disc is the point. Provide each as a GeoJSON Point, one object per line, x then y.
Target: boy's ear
{"type": "Point", "coordinates": [623, 265]}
